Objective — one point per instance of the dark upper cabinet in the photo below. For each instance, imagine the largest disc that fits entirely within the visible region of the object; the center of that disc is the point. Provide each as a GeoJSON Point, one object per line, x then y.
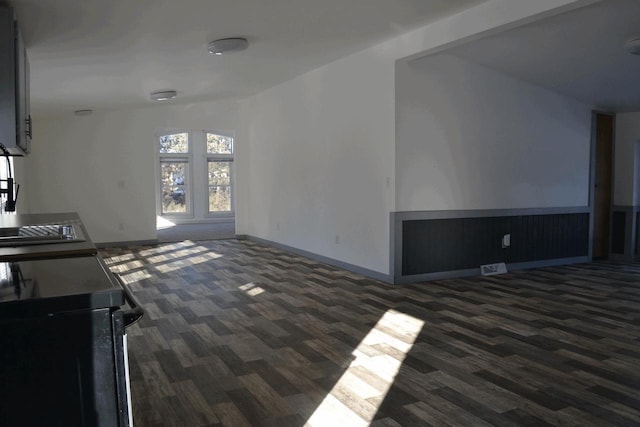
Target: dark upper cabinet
{"type": "Point", "coordinates": [15, 118]}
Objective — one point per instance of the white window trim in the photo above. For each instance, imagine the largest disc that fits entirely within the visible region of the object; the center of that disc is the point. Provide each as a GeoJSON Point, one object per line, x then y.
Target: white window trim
{"type": "Point", "coordinates": [223, 157]}
{"type": "Point", "coordinates": [180, 157]}
{"type": "Point", "coordinates": [223, 214]}
{"type": "Point", "coordinates": [198, 183]}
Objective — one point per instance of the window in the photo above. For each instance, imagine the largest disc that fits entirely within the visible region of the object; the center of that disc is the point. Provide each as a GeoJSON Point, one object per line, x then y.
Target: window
{"type": "Point", "coordinates": [195, 174]}
{"type": "Point", "coordinates": [219, 168]}
{"type": "Point", "coordinates": [174, 174]}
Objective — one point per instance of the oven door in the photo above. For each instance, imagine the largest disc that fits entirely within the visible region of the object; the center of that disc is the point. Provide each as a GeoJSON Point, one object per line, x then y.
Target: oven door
{"type": "Point", "coordinates": [58, 369]}
{"type": "Point", "coordinates": [121, 357]}
{"type": "Point", "coordinates": [63, 357]}
{"type": "Point", "coordinates": [130, 313]}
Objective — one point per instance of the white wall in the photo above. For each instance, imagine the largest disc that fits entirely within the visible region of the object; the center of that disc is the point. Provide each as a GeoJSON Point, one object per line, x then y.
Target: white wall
{"type": "Point", "coordinates": [468, 137]}
{"type": "Point", "coordinates": [320, 148]}
{"type": "Point", "coordinates": [626, 187]}
{"type": "Point", "coordinates": [320, 155]}
{"type": "Point", "coordinates": [103, 166]}
{"type": "Point", "coordinates": [315, 155]}
{"type": "Point", "coordinates": [20, 175]}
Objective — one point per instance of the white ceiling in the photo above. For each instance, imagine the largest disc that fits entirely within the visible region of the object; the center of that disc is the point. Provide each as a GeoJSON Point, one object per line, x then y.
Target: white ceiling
{"type": "Point", "coordinates": [579, 54]}
{"type": "Point", "coordinates": [109, 54]}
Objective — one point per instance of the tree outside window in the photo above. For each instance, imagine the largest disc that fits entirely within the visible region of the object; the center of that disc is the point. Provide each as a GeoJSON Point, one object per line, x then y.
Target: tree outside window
{"type": "Point", "coordinates": [194, 188]}
{"type": "Point", "coordinates": [174, 173]}
{"type": "Point", "coordinates": [220, 167]}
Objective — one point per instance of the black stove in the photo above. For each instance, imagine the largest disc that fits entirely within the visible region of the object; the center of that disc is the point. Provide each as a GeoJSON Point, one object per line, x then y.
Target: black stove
{"type": "Point", "coordinates": [56, 285]}
{"type": "Point", "coordinates": [63, 346]}
{"type": "Point", "coordinates": [63, 343]}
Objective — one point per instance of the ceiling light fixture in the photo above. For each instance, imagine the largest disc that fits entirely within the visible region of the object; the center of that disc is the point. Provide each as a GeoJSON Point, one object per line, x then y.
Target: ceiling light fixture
{"type": "Point", "coordinates": [85, 112]}
{"type": "Point", "coordinates": [633, 46]}
{"type": "Point", "coordinates": [232, 44]}
{"type": "Point", "coordinates": [163, 95]}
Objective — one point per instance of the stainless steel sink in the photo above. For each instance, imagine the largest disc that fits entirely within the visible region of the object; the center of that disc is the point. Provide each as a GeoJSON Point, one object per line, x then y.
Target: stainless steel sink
{"type": "Point", "coordinates": [40, 235]}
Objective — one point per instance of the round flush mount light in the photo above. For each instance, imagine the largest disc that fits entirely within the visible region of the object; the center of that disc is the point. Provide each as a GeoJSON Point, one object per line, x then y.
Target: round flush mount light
{"type": "Point", "coordinates": [85, 112]}
{"type": "Point", "coordinates": [163, 95]}
{"type": "Point", "coordinates": [633, 46]}
{"type": "Point", "coordinates": [232, 44]}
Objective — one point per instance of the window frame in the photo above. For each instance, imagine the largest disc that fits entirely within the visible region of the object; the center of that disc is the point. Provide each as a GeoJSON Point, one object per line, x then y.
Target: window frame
{"type": "Point", "coordinates": [175, 157]}
{"type": "Point", "coordinates": [197, 178]}
{"type": "Point", "coordinates": [220, 157]}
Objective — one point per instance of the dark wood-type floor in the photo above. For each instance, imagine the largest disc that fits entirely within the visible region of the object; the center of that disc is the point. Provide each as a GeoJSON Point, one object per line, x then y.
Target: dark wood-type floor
{"type": "Point", "coordinates": [237, 333]}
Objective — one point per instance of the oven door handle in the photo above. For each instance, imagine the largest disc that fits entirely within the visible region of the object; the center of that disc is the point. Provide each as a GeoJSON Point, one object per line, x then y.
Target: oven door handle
{"type": "Point", "coordinates": [135, 313]}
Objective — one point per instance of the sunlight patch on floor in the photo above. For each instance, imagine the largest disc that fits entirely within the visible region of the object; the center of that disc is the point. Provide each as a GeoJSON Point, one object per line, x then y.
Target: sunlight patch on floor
{"type": "Point", "coordinates": [162, 223]}
{"type": "Point", "coordinates": [354, 403]}
{"type": "Point", "coordinates": [164, 258]}
{"type": "Point", "coordinates": [193, 256]}
{"type": "Point", "coordinates": [171, 257]}
{"type": "Point", "coordinates": [166, 248]}
{"type": "Point", "coordinates": [251, 289]}
{"type": "Point", "coordinates": [119, 259]}
{"type": "Point", "coordinates": [136, 276]}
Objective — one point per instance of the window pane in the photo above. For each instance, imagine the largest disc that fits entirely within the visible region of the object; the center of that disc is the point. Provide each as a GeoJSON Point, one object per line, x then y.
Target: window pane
{"type": "Point", "coordinates": [177, 143]}
{"type": "Point", "coordinates": [174, 189]}
{"type": "Point", "coordinates": [219, 173]}
{"type": "Point", "coordinates": [219, 199]}
{"type": "Point", "coordinates": [219, 144]}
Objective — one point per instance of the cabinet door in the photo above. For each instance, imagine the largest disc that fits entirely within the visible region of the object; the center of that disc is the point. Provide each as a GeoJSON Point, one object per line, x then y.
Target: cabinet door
{"type": "Point", "coordinates": [7, 78]}
{"type": "Point", "coordinates": [24, 124]}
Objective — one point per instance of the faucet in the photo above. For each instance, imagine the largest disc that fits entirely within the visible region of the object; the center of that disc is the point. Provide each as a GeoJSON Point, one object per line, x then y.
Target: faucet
{"type": "Point", "coordinates": [12, 198]}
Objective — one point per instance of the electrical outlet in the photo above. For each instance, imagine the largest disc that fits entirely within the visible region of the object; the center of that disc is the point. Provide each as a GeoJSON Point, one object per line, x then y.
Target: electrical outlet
{"type": "Point", "coordinates": [337, 239]}
{"type": "Point", "coordinates": [121, 226]}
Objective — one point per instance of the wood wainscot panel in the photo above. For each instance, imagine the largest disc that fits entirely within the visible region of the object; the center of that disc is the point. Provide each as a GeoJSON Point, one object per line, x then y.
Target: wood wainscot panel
{"type": "Point", "coordinates": [440, 245]}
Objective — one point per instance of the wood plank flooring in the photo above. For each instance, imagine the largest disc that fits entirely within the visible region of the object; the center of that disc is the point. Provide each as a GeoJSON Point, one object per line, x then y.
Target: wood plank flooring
{"type": "Point", "coordinates": [241, 334]}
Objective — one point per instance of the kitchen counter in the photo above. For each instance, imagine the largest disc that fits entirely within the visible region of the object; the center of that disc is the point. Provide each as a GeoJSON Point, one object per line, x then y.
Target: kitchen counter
{"type": "Point", "coordinates": [63, 316]}
{"type": "Point", "coordinates": [82, 247]}
{"type": "Point", "coordinates": [38, 279]}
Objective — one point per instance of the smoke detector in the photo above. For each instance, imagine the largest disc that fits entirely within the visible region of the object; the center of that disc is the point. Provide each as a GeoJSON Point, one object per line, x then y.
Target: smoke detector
{"type": "Point", "coordinates": [633, 46]}
{"type": "Point", "coordinates": [232, 44]}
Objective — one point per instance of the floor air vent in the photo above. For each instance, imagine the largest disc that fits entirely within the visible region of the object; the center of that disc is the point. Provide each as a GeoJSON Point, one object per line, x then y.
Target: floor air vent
{"type": "Point", "coordinates": [491, 269]}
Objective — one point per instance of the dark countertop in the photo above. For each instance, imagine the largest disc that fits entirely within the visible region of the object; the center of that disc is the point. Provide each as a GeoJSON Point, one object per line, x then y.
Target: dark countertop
{"type": "Point", "coordinates": [44, 279]}
{"type": "Point", "coordinates": [42, 251]}
{"type": "Point", "coordinates": [44, 287]}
